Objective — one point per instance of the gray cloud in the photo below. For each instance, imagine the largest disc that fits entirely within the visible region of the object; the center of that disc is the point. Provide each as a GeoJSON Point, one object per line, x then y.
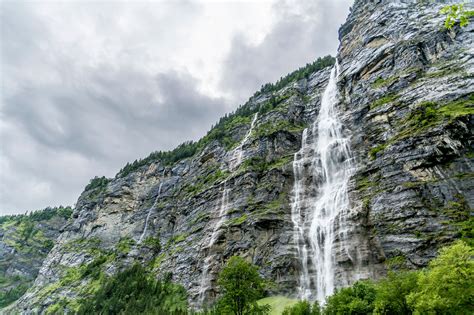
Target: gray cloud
{"type": "Point", "coordinates": [87, 87]}
{"type": "Point", "coordinates": [303, 31]}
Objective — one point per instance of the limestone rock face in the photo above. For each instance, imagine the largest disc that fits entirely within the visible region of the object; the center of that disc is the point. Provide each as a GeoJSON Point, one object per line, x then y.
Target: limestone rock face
{"type": "Point", "coordinates": [406, 97]}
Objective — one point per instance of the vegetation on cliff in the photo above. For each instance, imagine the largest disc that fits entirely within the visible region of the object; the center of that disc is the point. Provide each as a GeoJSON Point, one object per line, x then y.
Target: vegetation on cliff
{"type": "Point", "coordinates": [24, 242]}
{"type": "Point", "coordinates": [135, 291]}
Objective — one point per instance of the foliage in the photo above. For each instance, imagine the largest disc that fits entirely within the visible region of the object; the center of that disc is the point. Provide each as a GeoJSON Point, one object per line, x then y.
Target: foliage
{"type": "Point", "coordinates": [241, 287]}
{"type": "Point", "coordinates": [373, 152]}
{"type": "Point", "coordinates": [12, 294]}
{"type": "Point", "coordinates": [39, 215]}
{"type": "Point", "coordinates": [357, 299]}
{"type": "Point", "coordinates": [182, 151]}
{"type": "Point", "coordinates": [384, 100]}
{"type": "Point", "coordinates": [125, 245]}
{"type": "Point", "coordinates": [392, 292]}
{"type": "Point", "coordinates": [133, 291]}
{"type": "Point", "coordinates": [447, 286]}
{"type": "Point", "coordinates": [97, 182]}
{"type": "Point", "coordinates": [154, 243]}
{"type": "Point", "coordinates": [301, 73]}
{"type": "Point", "coordinates": [454, 13]}
{"type": "Point", "coordinates": [303, 308]}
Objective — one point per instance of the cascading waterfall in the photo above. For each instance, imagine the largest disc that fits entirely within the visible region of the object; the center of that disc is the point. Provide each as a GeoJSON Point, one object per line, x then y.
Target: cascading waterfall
{"type": "Point", "coordinates": [149, 213]}
{"type": "Point", "coordinates": [236, 159]}
{"type": "Point", "coordinates": [319, 216]}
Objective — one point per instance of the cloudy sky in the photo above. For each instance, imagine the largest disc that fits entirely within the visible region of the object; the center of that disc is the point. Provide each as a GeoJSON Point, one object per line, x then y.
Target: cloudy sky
{"type": "Point", "coordinates": [87, 86]}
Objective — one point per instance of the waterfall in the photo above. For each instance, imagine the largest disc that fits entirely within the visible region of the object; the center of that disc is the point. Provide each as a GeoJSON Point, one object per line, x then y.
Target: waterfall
{"type": "Point", "coordinates": [205, 277]}
{"type": "Point", "coordinates": [149, 213]}
{"type": "Point", "coordinates": [236, 159]}
{"type": "Point", "coordinates": [238, 153]}
{"type": "Point", "coordinates": [318, 212]}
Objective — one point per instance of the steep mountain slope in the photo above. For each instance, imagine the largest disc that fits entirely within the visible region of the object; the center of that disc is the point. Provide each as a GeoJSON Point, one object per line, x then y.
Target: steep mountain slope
{"type": "Point", "coordinates": [405, 102]}
{"type": "Point", "coordinates": [25, 240]}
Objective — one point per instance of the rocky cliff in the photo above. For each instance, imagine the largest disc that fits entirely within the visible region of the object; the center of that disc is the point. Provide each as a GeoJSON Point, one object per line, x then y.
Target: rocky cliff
{"type": "Point", "coordinates": [405, 101]}
{"type": "Point", "coordinates": [25, 240]}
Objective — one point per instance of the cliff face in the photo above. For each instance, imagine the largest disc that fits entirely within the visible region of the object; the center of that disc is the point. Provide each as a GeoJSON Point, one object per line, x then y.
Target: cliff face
{"type": "Point", "coordinates": [25, 240]}
{"type": "Point", "coordinates": [405, 102]}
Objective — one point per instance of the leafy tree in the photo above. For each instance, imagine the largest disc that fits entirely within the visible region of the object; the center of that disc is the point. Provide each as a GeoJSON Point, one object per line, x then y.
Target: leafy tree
{"type": "Point", "coordinates": [447, 287]}
{"type": "Point", "coordinates": [303, 308]}
{"type": "Point", "coordinates": [454, 13]}
{"type": "Point", "coordinates": [358, 299]}
{"type": "Point", "coordinates": [242, 286]}
{"type": "Point", "coordinates": [392, 292]}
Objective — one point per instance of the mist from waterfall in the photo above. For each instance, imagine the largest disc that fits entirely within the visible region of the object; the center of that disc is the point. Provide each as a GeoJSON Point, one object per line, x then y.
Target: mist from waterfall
{"type": "Point", "coordinates": [318, 213]}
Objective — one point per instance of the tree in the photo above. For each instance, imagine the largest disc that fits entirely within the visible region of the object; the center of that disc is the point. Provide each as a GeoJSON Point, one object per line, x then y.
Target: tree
{"type": "Point", "coordinates": [242, 286]}
{"type": "Point", "coordinates": [358, 299]}
{"type": "Point", "coordinates": [447, 287]}
{"type": "Point", "coordinates": [392, 292]}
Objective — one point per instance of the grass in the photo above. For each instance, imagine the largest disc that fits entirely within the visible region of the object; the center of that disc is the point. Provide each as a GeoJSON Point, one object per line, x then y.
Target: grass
{"type": "Point", "coordinates": [380, 82]}
{"type": "Point", "coordinates": [373, 152]}
{"type": "Point", "coordinates": [237, 221]}
{"type": "Point", "coordinates": [384, 100]}
{"type": "Point", "coordinates": [277, 303]}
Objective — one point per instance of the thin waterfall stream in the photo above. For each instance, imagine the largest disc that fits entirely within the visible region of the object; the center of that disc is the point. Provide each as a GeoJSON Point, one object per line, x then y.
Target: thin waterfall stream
{"type": "Point", "coordinates": [236, 159]}
{"type": "Point", "coordinates": [149, 213]}
{"type": "Point", "coordinates": [318, 213]}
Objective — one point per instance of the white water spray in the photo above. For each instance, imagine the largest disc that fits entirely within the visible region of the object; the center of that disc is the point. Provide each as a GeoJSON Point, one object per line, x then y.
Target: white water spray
{"type": "Point", "coordinates": [318, 216]}
{"type": "Point", "coordinates": [149, 213]}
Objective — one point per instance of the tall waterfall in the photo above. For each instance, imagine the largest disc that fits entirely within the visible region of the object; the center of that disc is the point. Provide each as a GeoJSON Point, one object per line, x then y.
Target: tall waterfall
{"type": "Point", "coordinates": [149, 213]}
{"type": "Point", "coordinates": [236, 158]}
{"type": "Point", "coordinates": [318, 210]}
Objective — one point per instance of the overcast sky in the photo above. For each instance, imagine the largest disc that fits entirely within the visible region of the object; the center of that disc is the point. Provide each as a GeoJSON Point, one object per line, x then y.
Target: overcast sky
{"type": "Point", "coordinates": [89, 86]}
